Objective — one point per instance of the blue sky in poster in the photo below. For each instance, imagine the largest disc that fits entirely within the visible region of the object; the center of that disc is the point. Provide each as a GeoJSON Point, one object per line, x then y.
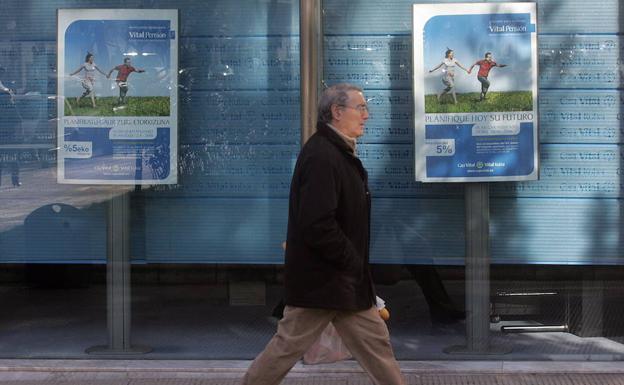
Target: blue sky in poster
{"type": "Point", "coordinates": [112, 40]}
{"type": "Point", "coordinates": [470, 37]}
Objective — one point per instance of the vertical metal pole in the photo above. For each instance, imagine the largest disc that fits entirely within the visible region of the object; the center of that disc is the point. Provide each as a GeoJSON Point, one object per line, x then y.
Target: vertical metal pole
{"type": "Point", "coordinates": [311, 63]}
{"type": "Point", "coordinates": [118, 273]}
{"type": "Point", "coordinates": [118, 280]}
{"type": "Point", "coordinates": [477, 266]}
{"type": "Point", "coordinates": [477, 206]}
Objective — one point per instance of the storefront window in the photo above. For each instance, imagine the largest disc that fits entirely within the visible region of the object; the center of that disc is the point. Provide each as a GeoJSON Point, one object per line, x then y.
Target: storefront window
{"type": "Point", "coordinates": [52, 236]}
{"type": "Point", "coordinates": [202, 273]}
{"type": "Point", "coordinates": [554, 243]}
{"type": "Point", "coordinates": [213, 242]}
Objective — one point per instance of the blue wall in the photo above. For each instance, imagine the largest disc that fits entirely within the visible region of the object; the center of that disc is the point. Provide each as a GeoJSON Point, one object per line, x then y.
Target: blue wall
{"type": "Point", "coordinates": [239, 138]}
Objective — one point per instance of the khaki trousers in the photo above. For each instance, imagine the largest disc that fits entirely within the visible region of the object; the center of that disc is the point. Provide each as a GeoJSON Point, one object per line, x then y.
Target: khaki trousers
{"type": "Point", "coordinates": [364, 333]}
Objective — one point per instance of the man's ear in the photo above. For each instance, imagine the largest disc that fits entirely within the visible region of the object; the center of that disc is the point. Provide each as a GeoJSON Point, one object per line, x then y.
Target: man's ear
{"type": "Point", "coordinates": [336, 111]}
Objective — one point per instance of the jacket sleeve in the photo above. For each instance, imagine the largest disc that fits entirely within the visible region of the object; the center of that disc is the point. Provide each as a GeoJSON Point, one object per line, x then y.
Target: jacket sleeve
{"type": "Point", "coordinates": [319, 195]}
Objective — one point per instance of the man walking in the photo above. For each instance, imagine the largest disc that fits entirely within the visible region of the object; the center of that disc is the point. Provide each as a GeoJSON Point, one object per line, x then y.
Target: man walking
{"type": "Point", "coordinates": [327, 277]}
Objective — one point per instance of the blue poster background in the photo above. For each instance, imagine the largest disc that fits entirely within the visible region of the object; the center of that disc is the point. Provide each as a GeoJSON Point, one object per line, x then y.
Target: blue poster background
{"type": "Point", "coordinates": [470, 37]}
{"type": "Point", "coordinates": [499, 155]}
{"type": "Point", "coordinates": [119, 159]}
{"type": "Point", "coordinates": [110, 41]}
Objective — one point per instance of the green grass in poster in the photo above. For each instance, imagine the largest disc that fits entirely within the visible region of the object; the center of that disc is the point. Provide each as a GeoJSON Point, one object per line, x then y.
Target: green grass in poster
{"type": "Point", "coordinates": [469, 102]}
{"type": "Point", "coordinates": [109, 106]}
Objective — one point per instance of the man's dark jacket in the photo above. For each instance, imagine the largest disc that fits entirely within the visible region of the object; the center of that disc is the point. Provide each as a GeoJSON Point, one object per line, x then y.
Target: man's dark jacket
{"type": "Point", "coordinates": [328, 227]}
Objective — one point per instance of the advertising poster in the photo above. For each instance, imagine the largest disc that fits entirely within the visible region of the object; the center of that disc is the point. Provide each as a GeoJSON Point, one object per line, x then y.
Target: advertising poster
{"type": "Point", "coordinates": [117, 96]}
{"type": "Point", "coordinates": [475, 92]}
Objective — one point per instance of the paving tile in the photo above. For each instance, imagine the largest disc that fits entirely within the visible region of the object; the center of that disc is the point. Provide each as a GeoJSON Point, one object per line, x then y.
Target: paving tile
{"type": "Point", "coordinates": [359, 379]}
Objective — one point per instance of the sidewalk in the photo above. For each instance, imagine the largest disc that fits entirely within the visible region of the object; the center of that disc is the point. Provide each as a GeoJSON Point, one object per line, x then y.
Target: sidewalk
{"type": "Point", "coordinates": [169, 372]}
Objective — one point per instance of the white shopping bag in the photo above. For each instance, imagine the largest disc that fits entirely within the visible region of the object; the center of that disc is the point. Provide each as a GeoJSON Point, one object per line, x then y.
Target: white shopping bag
{"type": "Point", "coordinates": [329, 346]}
{"type": "Point", "coordinates": [327, 349]}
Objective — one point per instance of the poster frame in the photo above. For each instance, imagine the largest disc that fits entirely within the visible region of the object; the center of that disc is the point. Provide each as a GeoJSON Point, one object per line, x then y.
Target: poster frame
{"type": "Point", "coordinates": [132, 131]}
{"type": "Point", "coordinates": [422, 14]}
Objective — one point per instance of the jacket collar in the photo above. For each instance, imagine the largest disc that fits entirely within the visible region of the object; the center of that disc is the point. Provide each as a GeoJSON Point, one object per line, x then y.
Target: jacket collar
{"type": "Point", "coordinates": [326, 131]}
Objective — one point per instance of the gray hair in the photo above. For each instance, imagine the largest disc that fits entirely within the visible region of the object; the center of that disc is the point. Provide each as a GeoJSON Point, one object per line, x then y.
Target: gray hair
{"type": "Point", "coordinates": [336, 94]}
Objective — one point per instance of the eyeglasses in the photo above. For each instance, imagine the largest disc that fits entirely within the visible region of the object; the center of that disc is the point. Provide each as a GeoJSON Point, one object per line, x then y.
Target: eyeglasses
{"type": "Point", "coordinates": [361, 108]}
